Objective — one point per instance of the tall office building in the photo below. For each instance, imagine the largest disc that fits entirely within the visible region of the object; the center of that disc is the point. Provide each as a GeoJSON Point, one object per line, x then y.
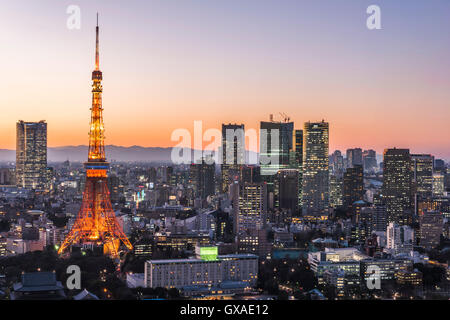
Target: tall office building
{"type": "Point", "coordinates": [202, 179]}
{"type": "Point", "coordinates": [374, 218]}
{"type": "Point", "coordinates": [438, 184]}
{"type": "Point", "coordinates": [422, 170]}
{"type": "Point", "coordinates": [315, 169]}
{"type": "Point", "coordinates": [439, 166]}
{"type": "Point", "coordinates": [250, 174]}
{"type": "Point", "coordinates": [436, 203]}
{"type": "Point", "coordinates": [233, 152]}
{"type": "Point", "coordinates": [397, 185]}
{"type": "Point", "coordinates": [370, 160]}
{"type": "Point", "coordinates": [353, 188]}
{"type": "Point", "coordinates": [431, 227]}
{"type": "Point", "coordinates": [249, 206]}
{"type": "Point", "coordinates": [296, 161]}
{"type": "Point", "coordinates": [31, 154]}
{"type": "Point", "coordinates": [276, 143]}
{"type": "Point", "coordinates": [354, 157]}
{"type": "Point", "coordinates": [336, 189]}
{"type": "Point", "coordinates": [288, 190]}
{"type": "Point", "coordinates": [337, 164]}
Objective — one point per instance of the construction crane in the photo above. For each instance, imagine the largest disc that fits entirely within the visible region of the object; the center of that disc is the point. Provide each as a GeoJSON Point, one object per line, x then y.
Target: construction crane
{"type": "Point", "coordinates": [285, 117]}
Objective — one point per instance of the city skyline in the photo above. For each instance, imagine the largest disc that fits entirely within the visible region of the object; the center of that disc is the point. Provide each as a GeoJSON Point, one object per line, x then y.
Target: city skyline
{"type": "Point", "coordinates": [277, 211]}
{"type": "Point", "coordinates": [377, 84]}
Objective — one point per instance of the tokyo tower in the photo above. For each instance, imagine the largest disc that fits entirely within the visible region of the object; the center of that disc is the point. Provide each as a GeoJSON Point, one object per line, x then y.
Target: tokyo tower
{"type": "Point", "coordinates": [96, 222]}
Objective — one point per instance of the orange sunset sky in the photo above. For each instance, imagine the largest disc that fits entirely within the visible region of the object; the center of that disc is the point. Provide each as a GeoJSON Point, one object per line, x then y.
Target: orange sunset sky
{"type": "Point", "coordinates": [168, 63]}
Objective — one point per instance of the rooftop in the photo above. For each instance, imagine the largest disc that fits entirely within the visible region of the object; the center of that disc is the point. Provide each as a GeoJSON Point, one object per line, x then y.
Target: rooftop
{"type": "Point", "coordinates": [220, 258]}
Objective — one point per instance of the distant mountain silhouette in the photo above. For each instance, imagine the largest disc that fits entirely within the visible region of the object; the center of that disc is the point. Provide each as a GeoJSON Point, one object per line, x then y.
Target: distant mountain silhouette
{"type": "Point", "coordinates": [7, 155]}
{"type": "Point", "coordinates": [113, 153]}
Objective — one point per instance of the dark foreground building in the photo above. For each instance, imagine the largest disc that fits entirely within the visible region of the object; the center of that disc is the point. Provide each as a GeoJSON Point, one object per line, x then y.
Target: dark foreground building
{"type": "Point", "coordinates": [38, 286]}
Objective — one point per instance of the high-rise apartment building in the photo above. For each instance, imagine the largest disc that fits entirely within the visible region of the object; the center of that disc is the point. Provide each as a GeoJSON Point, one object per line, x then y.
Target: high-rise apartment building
{"type": "Point", "coordinates": [315, 169]}
{"type": "Point", "coordinates": [397, 185]}
{"type": "Point", "coordinates": [31, 154]}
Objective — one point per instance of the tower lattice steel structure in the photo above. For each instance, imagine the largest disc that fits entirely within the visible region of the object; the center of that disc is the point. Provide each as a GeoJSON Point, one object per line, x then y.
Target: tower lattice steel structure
{"type": "Point", "coordinates": [96, 222]}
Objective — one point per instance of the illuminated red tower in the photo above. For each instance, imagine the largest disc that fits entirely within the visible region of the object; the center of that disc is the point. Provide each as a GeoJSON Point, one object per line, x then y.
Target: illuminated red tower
{"type": "Point", "coordinates": [96, 222]}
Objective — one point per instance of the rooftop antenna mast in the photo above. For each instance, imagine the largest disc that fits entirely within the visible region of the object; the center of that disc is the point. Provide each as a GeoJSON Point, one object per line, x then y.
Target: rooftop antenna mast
{"type": "Point", "coordinates": [97, 55]}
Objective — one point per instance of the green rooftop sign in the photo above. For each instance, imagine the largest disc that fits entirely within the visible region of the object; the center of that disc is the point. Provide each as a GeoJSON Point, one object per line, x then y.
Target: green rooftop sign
{"type": "Point", "coordinates": [208, 253]}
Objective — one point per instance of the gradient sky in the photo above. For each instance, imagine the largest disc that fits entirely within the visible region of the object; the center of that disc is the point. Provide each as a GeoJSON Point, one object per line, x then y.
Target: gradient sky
{"type": "Point", "coordinates": [167, 63]}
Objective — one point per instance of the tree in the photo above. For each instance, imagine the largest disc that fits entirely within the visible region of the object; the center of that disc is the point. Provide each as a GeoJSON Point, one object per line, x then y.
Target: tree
{"type": "Point", "coordinates": [4, 225]}
{"type": "Point", "coordinates": [173, 293]}
{"type": "Point", "coordinates": [283, 295]}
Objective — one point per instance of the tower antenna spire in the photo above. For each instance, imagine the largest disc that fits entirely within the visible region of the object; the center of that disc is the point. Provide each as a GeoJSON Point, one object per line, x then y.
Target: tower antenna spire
{"type": "Point", "coordinates": [97, 57]}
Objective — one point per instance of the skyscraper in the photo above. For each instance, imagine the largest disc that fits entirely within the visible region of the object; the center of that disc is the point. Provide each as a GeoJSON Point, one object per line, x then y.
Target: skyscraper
{"type": "Point", "coordinates": [315, 169]}
{"type": "Point", "coordinates": [353, 188]}
{"type": "Point", "coordinates": [296, 161]}
{"type": "Point", "coordinates": [250, 174]}
{"type": "Point", "coordinates": [337, 164]}
{"type": "Point", "coordinates": [276, 140]}
{"type": "Point", "coordinates": [233, 152]}
{"type": "Point", "coordinates": [374, 218]}
{"type": "Point", "coordinates": [288, 190]}
{"type": "Point", "coordinates": [438, 184]}
{"type": "Point", "coordinates": [336, 189]}
{"type": "Point", "coordinates": [202, 179]}
{"type": "Point", "coordinates": [250, 214]}
{"type": "Point", "coordinates": [431, 227]}
{"type": "Point", "coordinates": [31, 154]}
{"type": "Point", "coordinates": [439, 166]}
{"type": "Point", "coordinates": [249, 206]}
{"type": "Point", "coordinates": [397, 185]}
{"type": "Point", "coordinates": [370, 160]}
{"type": "Point", "coordinates": [422, 170]}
